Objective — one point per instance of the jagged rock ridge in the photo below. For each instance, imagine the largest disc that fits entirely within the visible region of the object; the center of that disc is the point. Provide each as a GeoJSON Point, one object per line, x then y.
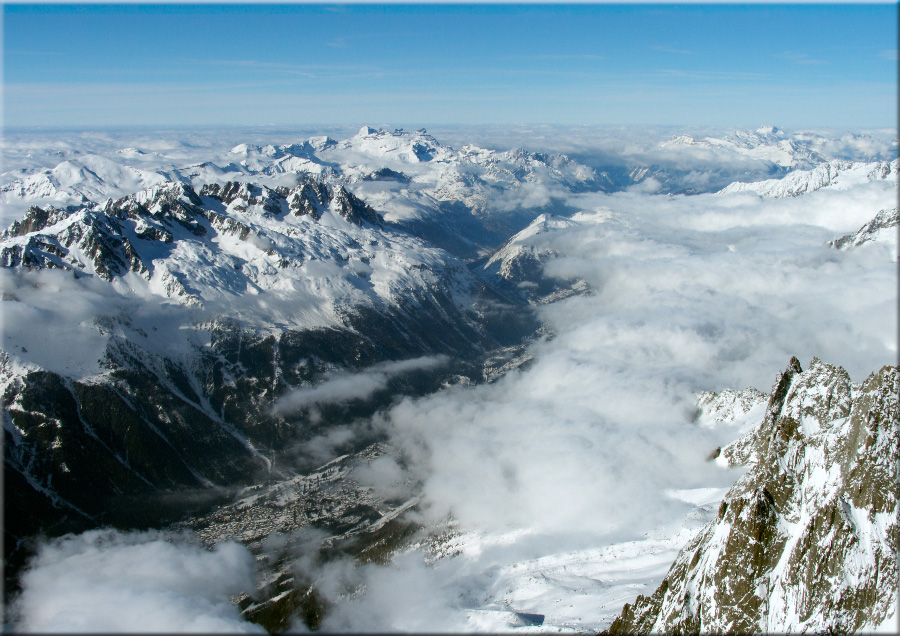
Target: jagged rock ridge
{"type": "Point", "coordinates": [883, 225]}
{"type": "Point", "coordinates": [833, 174]}
{"type": "Point", "coordinates": [807, 538]}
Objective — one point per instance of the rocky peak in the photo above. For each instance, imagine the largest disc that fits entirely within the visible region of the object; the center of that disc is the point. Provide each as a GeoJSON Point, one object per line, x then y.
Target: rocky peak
{"type": "Point", "coordinates": [311, 199]}
{"type": "Point", "coordinates": [769, 130]}
{"type": "Point", "coordinates": [385, 174]}
{"type": "Point", "coordinates": [354, 209]}
{"type": "Point", "coordinates": [883, 222]}
{"type": "Point", "coordinates": [35, 220]}
{"type": "Point", "coordinates": [173, 202]}
{"type": "Point", "coordinates": [246, 194]}
{"type": "Point", "coordinates": [92, 241]}
{"type": "Point", "coordinates": [806, 539]}
{"type": "Point", "coordinates": [320, 143]}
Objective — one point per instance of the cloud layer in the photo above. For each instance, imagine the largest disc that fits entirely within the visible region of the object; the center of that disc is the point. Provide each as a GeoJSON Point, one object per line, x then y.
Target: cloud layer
{"type": "Point", "coordinates": [353, 386]}
{"type": "Point", "coordinates": [105, 581]}
{"type": "Point", "coordinates": [580, 449]}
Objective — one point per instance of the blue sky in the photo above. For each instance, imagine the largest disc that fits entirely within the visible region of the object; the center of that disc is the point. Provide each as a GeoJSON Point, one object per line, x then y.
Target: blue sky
{"type": "Point", "coordinates": [800, 65]}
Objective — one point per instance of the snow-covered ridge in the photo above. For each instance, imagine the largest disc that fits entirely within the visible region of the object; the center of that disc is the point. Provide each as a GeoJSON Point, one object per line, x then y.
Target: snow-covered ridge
{"type": "Point", "coordinates": [766, 143]}
{"type": "Point", "coordinates": [833, 174]}
{"type": "Point", "coordinates": [806, 538]}
{"type": "Point", "coordinates": [519, 263]}
{"type": "Point", "coordinates": [96, 178]}
{"type": "Point", "coordinates": [541, 225]}
{"type": "Point", "coordinates": [399, 145]}
{"type": "Point", "coordinates": [315, 244]}
{"type": "Point", "coordinates": [734, 408]}
{"type": "Point", "coordinates": [882, 228]}
{"type": "Point", "coordinates": [407, 176]}
{"type": "Point", "coordinates": [77, 181]}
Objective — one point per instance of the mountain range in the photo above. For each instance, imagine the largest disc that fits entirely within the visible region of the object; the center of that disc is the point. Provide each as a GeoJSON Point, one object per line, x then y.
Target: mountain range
{"type": "Point", "coordinates": [177, 333]}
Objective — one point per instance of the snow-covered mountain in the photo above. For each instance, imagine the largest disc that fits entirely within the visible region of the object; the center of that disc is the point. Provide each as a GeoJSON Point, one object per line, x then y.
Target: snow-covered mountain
{"type": "Point", "coordinates": [205, 310]}
{"type": "Point", "coordinates": [839, 175]}
{"type": "Point", "coordinates": [252, 340]}
{"type": "Point", "coordinates": [518, 265]}
{"type": "Point", "coordinates": [78, 181]}
{"type": "Point", "coordinates": [735, 408]}
{"type": "Point", "coordinates": [320, 246]}
{"type": "Point", "coordinates": [697, 163]}
{"type": "Point", "coordinates": [883, 228]}
{"type": "Point", "coordinates": [466, 200]}
{"type": "Point", "coordinates": [219, 287]}
{"type": "Point", "coordinates": [766, 143]}
{"type": "Point", "coordinates": [806, 540]}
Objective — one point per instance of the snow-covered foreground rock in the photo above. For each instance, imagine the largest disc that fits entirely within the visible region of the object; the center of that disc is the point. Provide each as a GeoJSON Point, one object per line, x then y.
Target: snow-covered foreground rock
{"type": "Point", "coordinates": [806, 540]}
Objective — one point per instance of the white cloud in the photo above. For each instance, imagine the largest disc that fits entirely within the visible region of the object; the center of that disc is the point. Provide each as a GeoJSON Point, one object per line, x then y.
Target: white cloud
{"type": "Point", "coordinates": [406, 596]}
{"type": "Point", "coordinates": [105, 581]}
{"type": "Point", "coordinates": [578, 450]}
{"type": "Point", "coordinates": [386, 477]}
{"type": "Point", "coordinates": [353, 386]}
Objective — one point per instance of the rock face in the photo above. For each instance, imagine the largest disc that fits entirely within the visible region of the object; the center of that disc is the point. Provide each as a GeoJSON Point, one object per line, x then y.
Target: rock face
{"type": "Point", "coordinates": [807, 538]}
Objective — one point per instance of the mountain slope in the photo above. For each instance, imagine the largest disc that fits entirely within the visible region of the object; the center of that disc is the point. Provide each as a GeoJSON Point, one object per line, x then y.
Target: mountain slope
{"type": "Point", "coordinates": [150, 339]}
{"type": "Point", "coordinates": [882, 228]}
{"type": "Point", "coordinates": [78, 180]}
{"type": "Point", "coordinates": [833, 174]}
{"type": "Point", "coordinates": [766, 143]}
{"type": "Point", "coordinates": [518, 265]}
{"type": "Point", "coordinates": [807, 538]}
